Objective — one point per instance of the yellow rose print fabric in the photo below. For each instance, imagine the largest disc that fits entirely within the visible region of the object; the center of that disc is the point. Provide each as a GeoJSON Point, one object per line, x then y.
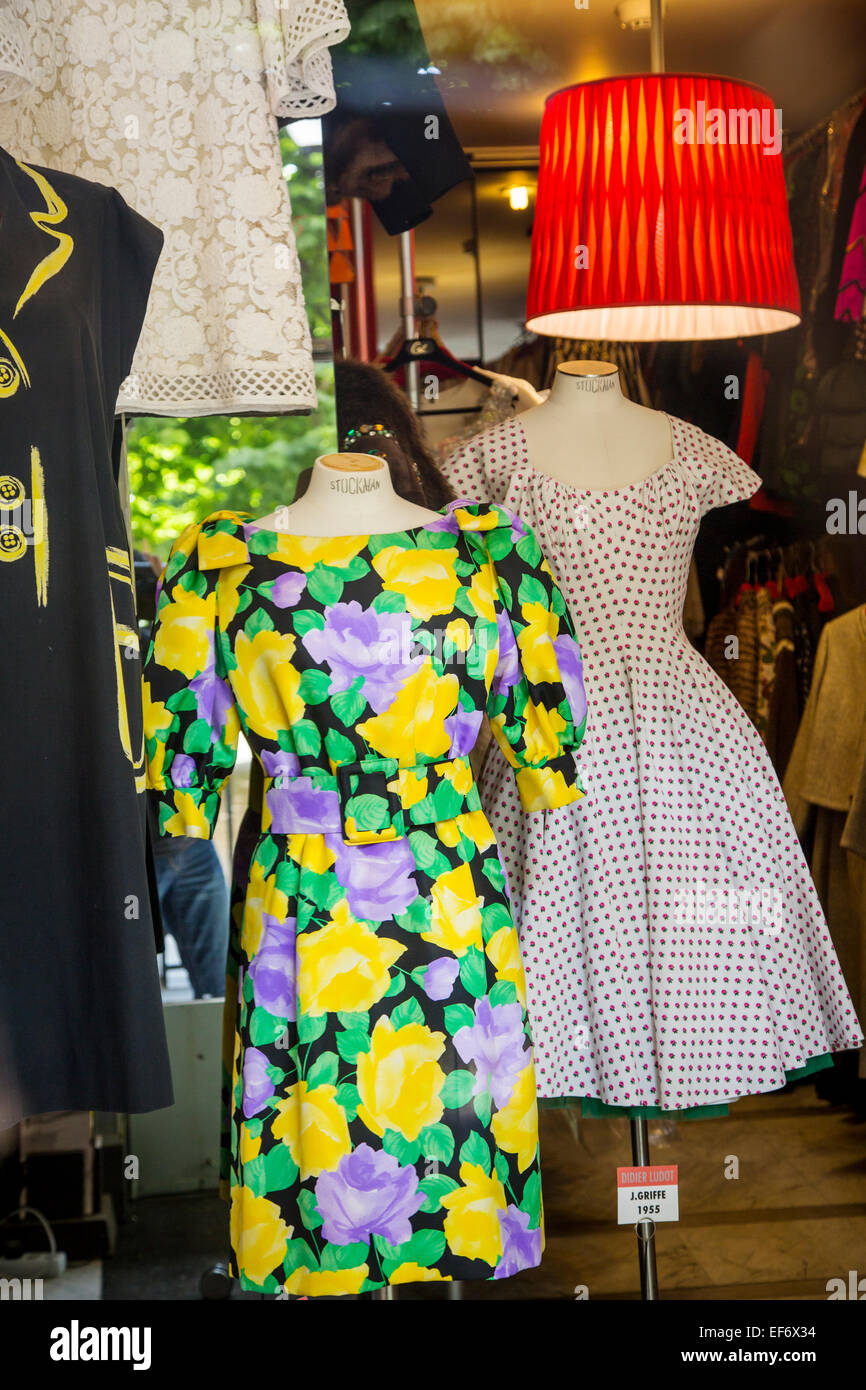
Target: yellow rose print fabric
{"type": "Point", "coordinates": [381, 1122]}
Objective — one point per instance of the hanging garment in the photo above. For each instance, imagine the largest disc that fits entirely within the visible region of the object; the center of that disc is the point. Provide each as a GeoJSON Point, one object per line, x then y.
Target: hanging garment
{"type": "Point", "coordinates": [825, 786]}
{"type": "Point", "coordinates": [640, 993]}
{"type": "Point", "coordinates": [81, 1023]}
{"type": "Point", "coordinates": [766, 674]}
{"type": "Point", "coordinates": [785, 708]}
{"type": "Point", "coordinates": [505, 396]}
{"type": "Point", "coordinates": [176, 105]}
{"type": "Point", "coordinates": [384, 1126]}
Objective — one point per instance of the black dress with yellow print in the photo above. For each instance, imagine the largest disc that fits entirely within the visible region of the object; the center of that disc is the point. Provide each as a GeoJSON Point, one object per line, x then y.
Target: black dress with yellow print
{"type": "Point", "coordinates": [80, 1015]}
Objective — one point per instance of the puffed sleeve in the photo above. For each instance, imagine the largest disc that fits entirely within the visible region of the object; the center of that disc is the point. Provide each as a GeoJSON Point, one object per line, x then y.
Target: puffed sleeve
{"type": "Point", "coordinates": [295, 37]}
{"type": "Point", "coordinates": [191, 723]}
{"type": "Point", "coordinates": [718, 475]}
{"type": "Point", "coordinates": [536, 703]}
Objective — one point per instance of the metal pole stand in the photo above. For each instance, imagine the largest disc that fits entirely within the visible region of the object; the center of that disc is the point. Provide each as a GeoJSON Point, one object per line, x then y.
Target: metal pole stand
{"type": "Point", "coordinates": [646, 1230]}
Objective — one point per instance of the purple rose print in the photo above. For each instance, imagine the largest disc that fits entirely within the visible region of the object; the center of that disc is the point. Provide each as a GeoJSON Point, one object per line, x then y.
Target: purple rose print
{"type": "Point", "coordinates": [281, 763]}
{"type": "Point", "coordinates": [518, 528]}
{"type": "Point", "coordinates": [273, 970]}
{"type": "Point", "coordinates": [368, 1194]}
{"type": "Point", "coordinates": [258, 1086]}
{"type": "Point", "coordinates": [358, 641]}
{"type": "Point", "coordinates": [288, 588]}
{"type": "Point", "coordinates": [497, 1044]}
{"type": "Point", "coordinates": [182, 770]}
{"type": "Point", "coordinates": [462, 728]}
{"type": "Point", "coordinates": [213, 696]}
{"type": "Point", "coordinates": [507, 671]}
{"type": "Point", "coordinates": [521, 1247]}
{"type": "Point", "coordinates": [379, 879]}
{"type": "Point", "coordinates": [571, 671]}
{"type": "Point", "coordinates": [439, 978]}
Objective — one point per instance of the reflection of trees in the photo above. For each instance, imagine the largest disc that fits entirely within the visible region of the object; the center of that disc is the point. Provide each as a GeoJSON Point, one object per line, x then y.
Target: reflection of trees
{"type": "Point", "coordinates": [459, 32]}
{"type": "Point", "coordinates": [180, 470]}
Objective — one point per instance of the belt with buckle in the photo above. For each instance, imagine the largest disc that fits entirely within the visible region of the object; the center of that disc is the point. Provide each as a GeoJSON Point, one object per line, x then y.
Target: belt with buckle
{"type": "Point", "coordinates": [370, 801]}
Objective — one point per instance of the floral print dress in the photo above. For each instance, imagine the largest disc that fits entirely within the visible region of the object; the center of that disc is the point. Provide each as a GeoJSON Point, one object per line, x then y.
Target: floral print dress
{"type": "Point", "coordinates": [383, 1115]}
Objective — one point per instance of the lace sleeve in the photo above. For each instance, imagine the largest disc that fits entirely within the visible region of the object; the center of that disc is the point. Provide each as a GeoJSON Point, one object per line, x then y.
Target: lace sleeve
{"type": "Point", "coordinates": [15, 70]}
{"type": "Point", "coordinates": [296, 36]}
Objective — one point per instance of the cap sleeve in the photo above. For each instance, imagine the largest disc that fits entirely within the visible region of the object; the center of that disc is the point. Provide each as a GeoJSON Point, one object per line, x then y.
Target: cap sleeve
{"type": "Point", "coordinates": [191, 722]}
{"type": "Point", "coordinates": [536, 702]}
{"type": "Point", "coordinates": [718, 475]}
{"type": "Point", "coordinates": [131, 247]}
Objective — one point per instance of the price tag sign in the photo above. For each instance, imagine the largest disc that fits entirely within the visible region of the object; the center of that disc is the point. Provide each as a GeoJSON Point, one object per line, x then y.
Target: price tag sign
{"type": "Point", "coordinates": [647, 1194]}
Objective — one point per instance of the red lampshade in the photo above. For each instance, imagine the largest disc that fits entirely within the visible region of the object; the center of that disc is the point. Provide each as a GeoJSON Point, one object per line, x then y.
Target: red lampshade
{"type": "Point", "coordinates": [648, 225]}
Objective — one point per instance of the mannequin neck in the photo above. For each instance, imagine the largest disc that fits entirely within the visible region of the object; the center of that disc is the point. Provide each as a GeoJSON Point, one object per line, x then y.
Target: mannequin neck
{"type": "Point", "coordinates": [348, 495]}
{"type": "Point", "coordinates": [590, 387]}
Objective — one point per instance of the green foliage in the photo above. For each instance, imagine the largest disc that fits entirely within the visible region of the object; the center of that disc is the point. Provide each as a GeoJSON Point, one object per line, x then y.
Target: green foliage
{"type": "Point", "coordinates": [181, 470]}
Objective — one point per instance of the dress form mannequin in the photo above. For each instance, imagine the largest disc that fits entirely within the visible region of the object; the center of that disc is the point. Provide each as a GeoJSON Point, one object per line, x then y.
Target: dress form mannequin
{"type": "Point", "coordinates": [348, 495]}
{"type": "Point", "coordinates": [589, 434]}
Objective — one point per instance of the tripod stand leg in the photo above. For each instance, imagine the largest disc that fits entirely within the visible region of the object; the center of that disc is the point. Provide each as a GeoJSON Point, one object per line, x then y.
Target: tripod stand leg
{"type": "Point", "coordinates": [646, 1230]}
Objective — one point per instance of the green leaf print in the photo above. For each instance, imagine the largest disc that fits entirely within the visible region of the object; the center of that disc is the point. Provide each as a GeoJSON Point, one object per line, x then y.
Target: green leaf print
{"type": "Point", "coordinates": [492, 870]}
{"type": "Point", "coordinates": [324, 1071]}
{"type": "Point", "coordinates": [197, 738]}
{"type": "Point", "coordinates": [194, 582]}
{"type": "Point", "coordinates": [266, 854]}
{"type": "Point", "coordinates": [500, 1163]}
{"type": "Point", "coordinates": [406, 1151]}
{"type": "Point", "coordinates": [473, 972]}
{"type": "Point", "coordinates": [397, 985]}
{"type": "Point", "coordinates": [504, 992]}
{"type": "Point", "coordinates": [409, 1011]}
{"type": "Point", "coordinates": [458, 1016]}
{"type": "Point", "coordinates": [306, 737]}
{"type": "Point", "coordinates": [350, 1043]}
{"type": "Point", "coordinates": [483, 1106]}
{"type": "Point", "coordinates": [324, 584]}
{"type": "Point", "coordinates": [348, 1018]}
{"type": "Point", "coordinates": [310, 1214]}
{"type": "Point", "coordinates": [262, 542]}
{"type": "Point", "coordinates": [305, 619]}
{"type": "Point", "coordinates": [532, 591]}
{"type": "Point", "coordinates": [311, 1027]}
{"type": "Point", "coordinates": [299, 1255]}
{"type": "Point", "coordinates": [338, 1257]}
{"type": "Point", "coordinates": [437, 1142]}
{"type": "Point", "coordinates": [259, 621]}
{"type": "Point", "coordinates": [416, 918]}
{"type": "Point", "coordinates": [531, 1200]}
{"type": "Point", "coordinates": [435, 1188]}
{"type": "Point", "coordinates": [226, 656]}
{"type": "Point", "coordinates": [499, 543]}
{"type": "Point", "coordinates": [350, 704]}
{"type": "Point", "coordinates": [494, 917]}
{"type": "Point", "coordinates": [349, 1098]}
{"type": "Point", "coordinates": [457, 1090]}
{"type": "Point", "coordinates": [182, 699]}
{"type": "Point", "coordinates": [322, 889]}
{"type": "Point", "coordinates": [255, 1176]}
{"type": "Point", "coordinates": [529, 550]}
{"type": "Point", "coordinates": [314, 686]}
{"type": "Point", "coordinates": [476, 1151]}
{"type": "Point", "coordinates": [448, 801]}
{"type": "Point", "coordinates": [423, 1248]}
{"type": "Point", "coordinates": [265, 1027]}
{"type": "Point", "coordinates": [339, 748]}
{"type": "Point", "coordinates": [281, 1171]}
{"type": "Point", "coordinates": [424, 847]}
{"type": "Point", "coordinates": [370, 812]}
{"type": "Point", "coordinates": [356, 568]}
{"type": "Point", "coordinates": [389, 602]}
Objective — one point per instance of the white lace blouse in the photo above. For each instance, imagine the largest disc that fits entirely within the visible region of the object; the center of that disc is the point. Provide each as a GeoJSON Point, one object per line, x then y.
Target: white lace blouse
{"type": "Point", "coordinates": [175, 104]}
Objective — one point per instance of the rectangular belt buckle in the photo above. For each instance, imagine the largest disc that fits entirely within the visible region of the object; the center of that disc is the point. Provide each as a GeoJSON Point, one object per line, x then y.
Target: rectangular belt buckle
{"type": "Point", "coordinates": [371, 812]}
